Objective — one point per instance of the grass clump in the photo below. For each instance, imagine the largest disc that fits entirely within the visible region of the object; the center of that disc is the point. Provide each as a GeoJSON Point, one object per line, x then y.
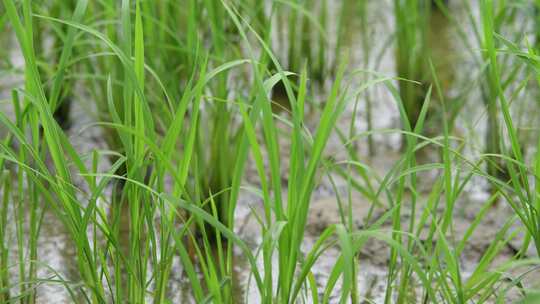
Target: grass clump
{"type": "Point", "coordinates": [412, 19]}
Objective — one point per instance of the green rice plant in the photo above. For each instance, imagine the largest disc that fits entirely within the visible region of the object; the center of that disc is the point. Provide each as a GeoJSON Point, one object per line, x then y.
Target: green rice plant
{"type": "Point", "coordinates": [301, 28]}
{"type": "Point", "coordinates": [422, 34]}
{"type": "Point", "coordinates": [344, 35]}
{"type": "Point", "coordinates": [216, 163]}
{"type": "Point", "coordinates": [161, 51]}
{"type": "Point", "coordinates": [504, 15]}
{"type": "Point", "coordinates": [302, 31]}
{"type": "Point", "coordinates": [438, 253]}
{"type": "Point", "coordinates": [127, 278]}
{"type": "Point", "coordinates": [36, 107]}
{"type": "Point", "coordinates": [304, 22]}
{"type": "Point", "coordinates": [412, 18]}
{"type": "Point", "coordinates": [523, 177]}
{"type": "Point", "coordinates": [286, 231]}
{"type": "Point", "coordinates": [348, 249]}
{"type": "Point", "coordinates": [491, 94]}
{"type": "Point", "coordinates": [366, 55]}
{"type": "Point", "coordinates": [504, 18]}
{"type": "Point", "coordinates": [294, 234]}
{"type": "Point", "coordinates": [58, 53]}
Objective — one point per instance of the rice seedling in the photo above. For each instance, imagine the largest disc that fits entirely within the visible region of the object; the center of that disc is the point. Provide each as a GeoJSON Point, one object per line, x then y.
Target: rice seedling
{"type": "Point", "coordinates": [412, 19]}
{"type": "Point", "coordinates": [493, 142]}
{"type": "Point", "coordinates": [195, 189]}
{"type": "Point", "coordinates": [504, 15]}
{"type": "Point", "coordinates": [522, 175]}
{"type": "Point", "coordinates": [366, 38]}
{"type": "Point", "coordinates": [421, 37]}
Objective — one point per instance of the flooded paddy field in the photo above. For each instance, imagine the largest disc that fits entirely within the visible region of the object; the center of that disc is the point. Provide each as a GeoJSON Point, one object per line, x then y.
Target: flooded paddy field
{"type": "Point", "coordinates": [304, 151]}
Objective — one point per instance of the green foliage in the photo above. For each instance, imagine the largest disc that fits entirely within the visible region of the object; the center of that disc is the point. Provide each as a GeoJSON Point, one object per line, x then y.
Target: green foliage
{"type": "Point", "coordinates": [183, 92]}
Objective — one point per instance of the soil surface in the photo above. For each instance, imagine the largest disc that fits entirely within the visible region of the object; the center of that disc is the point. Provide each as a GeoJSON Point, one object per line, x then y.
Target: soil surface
{"type": "Point", "coordinates": [56, 250]}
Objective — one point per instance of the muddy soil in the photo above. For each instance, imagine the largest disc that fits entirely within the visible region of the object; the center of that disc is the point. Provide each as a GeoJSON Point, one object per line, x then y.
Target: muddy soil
{"type": "Point", "coordinates": [56, 250]}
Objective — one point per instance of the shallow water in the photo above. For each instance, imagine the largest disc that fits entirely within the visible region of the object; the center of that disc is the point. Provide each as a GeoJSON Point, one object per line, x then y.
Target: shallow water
{"type": "Point", "coordinates": [56, 250]}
